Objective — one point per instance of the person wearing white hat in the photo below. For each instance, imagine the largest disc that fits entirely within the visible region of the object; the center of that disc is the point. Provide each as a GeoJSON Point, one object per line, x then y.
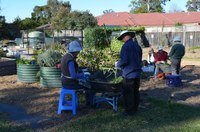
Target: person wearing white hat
{"type": "Point", "coordinates": [131, 65]}
{"type": "Point", "coordinates": [176, 54]}
{"type": "Point", "coordinates": [69, 67]}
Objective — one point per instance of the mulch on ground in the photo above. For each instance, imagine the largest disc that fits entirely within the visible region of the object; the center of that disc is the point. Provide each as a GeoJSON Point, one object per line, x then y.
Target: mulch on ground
{"type": "Point", "coordinates": [44, 101]}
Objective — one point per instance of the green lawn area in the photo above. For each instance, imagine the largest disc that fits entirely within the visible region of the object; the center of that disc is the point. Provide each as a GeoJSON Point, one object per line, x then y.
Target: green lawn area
{"type": "Point", "coordinates": [159, 116]}
{"type": "Point", "coordinates": [154, 116]}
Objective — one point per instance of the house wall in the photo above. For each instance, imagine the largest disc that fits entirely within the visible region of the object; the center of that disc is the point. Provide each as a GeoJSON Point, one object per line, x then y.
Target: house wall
{"type": "Point", "coordinates": [190, 34]}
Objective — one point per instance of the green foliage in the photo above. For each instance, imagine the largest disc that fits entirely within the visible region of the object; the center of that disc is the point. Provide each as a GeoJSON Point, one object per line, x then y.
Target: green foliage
{"type": "Point", "coordinates": [116, 80]}
{"type": "Point", "coordinates": [4, 32]}
{"type": "Point", "coordinates": [26, 23]}
{"type": "Point", "coordinates": [145, 6]}
{"type": "Point", "coordinates": [96, 37]}
{"type": "Point", "coordinates": [137, 30]}
{"type": "Point", "coordinates": [193, 5]}
{"type": "Point", "coordinates": [108, 11]}
{"type": "Point", "coordinates": [96, 59]}
{"type": "Point", "coordinates": [41, 14]}
{"type": "Point", "coordinates": [178, 24]}
{"type": "Point", "coordinates": [59, 47]}
{"type": "Point", "coordinates": [23, 61]}
{"type": "Point", "coordinates": [52, 11]}
{"type": "Point", "coordinates": [49, 58]}
{"type": "Point", "coordinates": [99, 37]}
{"type": "Point", "coordinates": [75, 20]}
{"type": "Point", "coordinates": [116, 45]}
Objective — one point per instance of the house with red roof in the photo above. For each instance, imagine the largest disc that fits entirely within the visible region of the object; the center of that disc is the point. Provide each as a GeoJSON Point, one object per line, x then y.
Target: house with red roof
{"type": "Point", "coordinates": [158, 26]}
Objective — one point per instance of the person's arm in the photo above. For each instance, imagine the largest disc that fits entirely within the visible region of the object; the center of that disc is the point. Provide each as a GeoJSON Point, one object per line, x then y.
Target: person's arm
{"type": "Point", "coordinates": [156, 57]}
{"type": "Point", "coordinates": [184, 51]}
{"type": "Point", "coordinates": [123, 58]}
{"type": "Point", "coordinates": [148, 58]}
{"type": "Point", "coordinates": [72, 71]}
{"type": "Point", "coordinates": [171, 51]}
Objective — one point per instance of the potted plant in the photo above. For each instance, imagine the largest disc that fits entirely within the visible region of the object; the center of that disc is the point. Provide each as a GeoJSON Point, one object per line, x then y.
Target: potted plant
{"type": "Point", "coordinates": [49, 72]}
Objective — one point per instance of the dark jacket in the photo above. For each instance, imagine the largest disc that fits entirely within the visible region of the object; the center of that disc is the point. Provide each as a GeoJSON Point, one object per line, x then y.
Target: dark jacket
{"type": "Point", "coordinates": [130, 60]}
{"type": "Point", "coordinates": [177, 51]}
{"type": "Point", "coordinates": [66, 78]}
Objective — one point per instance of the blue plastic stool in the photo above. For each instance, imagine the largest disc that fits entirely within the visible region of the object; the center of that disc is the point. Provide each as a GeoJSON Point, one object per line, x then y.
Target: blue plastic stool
{"type": "Point", "coordinates": [173, 80]}
{"type": "Point", "coordinates": [110, 99]}
{"type": "Point", "coordinates": [65, 104]}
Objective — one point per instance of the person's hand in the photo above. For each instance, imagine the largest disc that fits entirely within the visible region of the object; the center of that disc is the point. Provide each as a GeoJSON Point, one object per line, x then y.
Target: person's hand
{"type": "Point", "coordinates": [162, 62]}
{"type": "Point", "coordinates": [86, 75]}
{"type": "Point", "coordinates": [116, 64]}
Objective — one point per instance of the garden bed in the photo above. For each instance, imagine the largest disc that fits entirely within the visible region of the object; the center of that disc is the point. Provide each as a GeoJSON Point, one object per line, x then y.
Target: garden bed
{"type": "Point", "coordinates": [7, 66]}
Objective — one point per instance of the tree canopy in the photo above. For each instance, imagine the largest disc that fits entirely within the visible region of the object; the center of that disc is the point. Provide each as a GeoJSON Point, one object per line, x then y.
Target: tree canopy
{"type": "Point", "coordinates": [146, 6]}
{"type": "Point", "coordinates": [26, 23]}
{"type": "Point", "coordinates": [193, 5]}
{"type": "Point", "coordinates": [59, 14]}
{"type": "Point", "coordinates": [108, 11]}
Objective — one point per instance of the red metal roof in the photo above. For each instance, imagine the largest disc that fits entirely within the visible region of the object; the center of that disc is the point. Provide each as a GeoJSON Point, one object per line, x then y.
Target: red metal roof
{"type": "Point", "coordinates": [116, 19]}
{"type": "Point", "coordinates": [148, 19]}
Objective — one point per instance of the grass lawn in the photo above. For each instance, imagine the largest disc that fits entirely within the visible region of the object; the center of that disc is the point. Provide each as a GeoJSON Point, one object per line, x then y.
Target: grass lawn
{"type": "Point", "coordinates": [159, 116]}
{"type": "Point", "coordinates": [5, 126]}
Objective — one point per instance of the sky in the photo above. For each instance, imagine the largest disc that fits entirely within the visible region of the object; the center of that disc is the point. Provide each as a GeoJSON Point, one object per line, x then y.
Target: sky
{"type": "Point", "coordinates": [12, 9]}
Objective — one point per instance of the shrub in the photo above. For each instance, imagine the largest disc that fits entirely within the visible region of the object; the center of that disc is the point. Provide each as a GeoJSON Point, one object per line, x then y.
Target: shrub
{"type": "Point", "coordinates": [96, 59]}
{"type": "Point", "coordinates": [23, 61]}
{"type": "Point", "coordinates": [49, 58]}
{"type": "Point", "coordinates": [96, 37]}
{"type": "Point", "coordinates": [59, 47]}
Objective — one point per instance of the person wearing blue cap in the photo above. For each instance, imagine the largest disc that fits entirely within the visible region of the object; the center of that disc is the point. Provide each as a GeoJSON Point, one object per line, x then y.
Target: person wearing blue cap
{"type": "Point", "coordinates": [131, 64]}
{"type": "Point", "coordinates": [69, 67]}
{"type": "Point", "coordinates": [176, 54]}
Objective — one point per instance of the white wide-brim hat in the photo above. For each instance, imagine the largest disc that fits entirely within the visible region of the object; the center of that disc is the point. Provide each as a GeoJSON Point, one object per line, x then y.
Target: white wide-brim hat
{"type": "Point", "coordinates": [74, 46]}
{"type": "Point", "coordinates": [126, 32]}
{"type": "Point", "coordinates": [160, 47]}
{"type": "Point", "coordinates": [177, 39]}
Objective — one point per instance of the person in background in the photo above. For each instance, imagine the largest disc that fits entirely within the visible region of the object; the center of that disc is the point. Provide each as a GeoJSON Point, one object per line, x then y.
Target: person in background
{"type": "Point", "coordinates": [176, 54]}
{"type": "Point", "coordinates": [131, 64]}
{"type": "Point", "coordinates": [161, 64]}
{"type": "Point", "coordinates": [151, 57]}
{"type": "Point", "coordinates": [69, 67]}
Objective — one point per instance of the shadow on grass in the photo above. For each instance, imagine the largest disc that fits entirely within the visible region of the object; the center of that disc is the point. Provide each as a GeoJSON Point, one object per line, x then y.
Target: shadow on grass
{"type": "Point", "coordinates": [159, 116]}
{"type": "Point", "coordinates": [156, 113]}
{"type": "Point", "coordinates": [5, 126]}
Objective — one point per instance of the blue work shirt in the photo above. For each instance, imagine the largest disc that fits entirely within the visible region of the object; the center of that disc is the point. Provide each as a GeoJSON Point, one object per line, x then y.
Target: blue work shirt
{"type": "Point", "coordinates": [72, 71]}
{"type": "Point", "coordinates": [130, 60]}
